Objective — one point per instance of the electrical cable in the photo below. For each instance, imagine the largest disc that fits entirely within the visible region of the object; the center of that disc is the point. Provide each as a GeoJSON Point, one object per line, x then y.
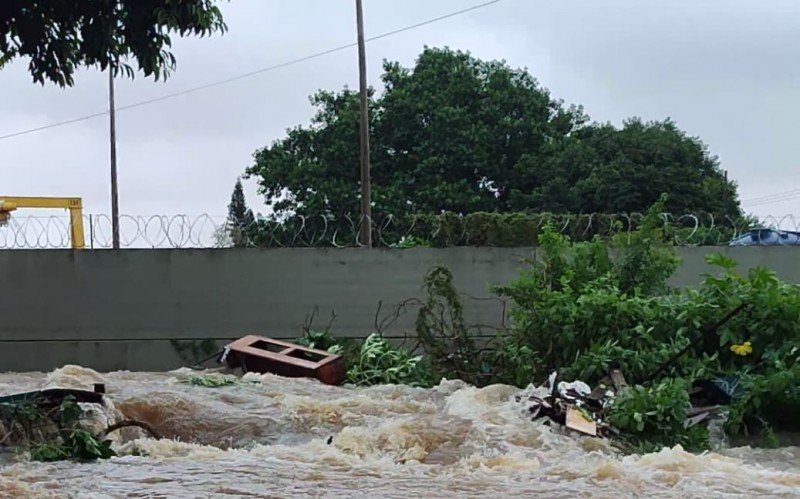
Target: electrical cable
{"type": "Point", "coordinates": [252, 73]}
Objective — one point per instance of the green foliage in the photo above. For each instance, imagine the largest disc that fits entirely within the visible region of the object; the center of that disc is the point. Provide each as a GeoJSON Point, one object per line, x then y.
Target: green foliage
{"type": "Point", "coordinates": [69, 411]}
{"type": "Point", "coordinates": [441, 331]}
{"type": "Point", "coordinates": [241, 221]}
{"type": "Point", "coordinates": [379, 363]}
{"type": "Point", "coordinates": [510, 363]}
{"type": "Point", "coordinates": [585, 307]}
{"type": "Point", "coordinates": [371, 362]}
{"type": "Point", "coordinates": [348, 348]}
{"type": "Point", "coordinates": [406, 242]}
{"type": "Point", "coordinates": [59, 37]}
{"type": "Point", "coordinates": [83, 446]}
{"type": "Point", "coordinates": [49, 452]}
{"type": "Point", "coordinates": [210, 381]}
{"type": "Point", "coordinates": [72, 442]}
{"type": "Point", "coordinates": [647, 260]}
{"type": "Point", "coordinates": [462, 135]}
{"type": "Point", "coordinates": [653, 417]}
{"type": "Point", "coordinates": [770, 373]}
{"type": "Point", "coordinates": [497, 229]}
{"type": "Point", "coordinates": [321, 340]}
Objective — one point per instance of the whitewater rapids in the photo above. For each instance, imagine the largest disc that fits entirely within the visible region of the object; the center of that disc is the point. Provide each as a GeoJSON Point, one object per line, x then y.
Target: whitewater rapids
{"type": "Point", "coordinates": [268, 436]}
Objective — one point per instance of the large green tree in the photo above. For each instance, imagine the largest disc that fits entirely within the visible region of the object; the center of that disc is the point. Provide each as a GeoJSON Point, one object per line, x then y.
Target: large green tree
{"type": "Point", "coordinates": [57, 36]}
{"type": "Point", "coordinates": [455, 133]}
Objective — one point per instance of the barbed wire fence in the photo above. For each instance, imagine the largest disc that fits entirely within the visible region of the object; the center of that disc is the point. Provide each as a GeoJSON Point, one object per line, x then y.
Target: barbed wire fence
{"type": "Point", "coordinates": [482, 229]}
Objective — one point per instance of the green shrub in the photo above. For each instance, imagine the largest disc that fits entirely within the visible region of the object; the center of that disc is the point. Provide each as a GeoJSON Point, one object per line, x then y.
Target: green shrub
{"type": "Point", "coordinates": [72, 442]}
{"type": "Point", "coordinates": [584, 307]}
{"type": "Point", "coordinates": [652, 417]}
{"type": "Point", "coordinates": [379, 363]}
{"type": "Point", "coordinates": [320, 340]}
{"type": "Point", "coordinates": [442, 334]}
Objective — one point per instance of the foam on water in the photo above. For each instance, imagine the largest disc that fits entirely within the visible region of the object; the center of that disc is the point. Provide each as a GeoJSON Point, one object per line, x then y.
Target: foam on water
{"type": "Point", "coordinates": [272, 436]}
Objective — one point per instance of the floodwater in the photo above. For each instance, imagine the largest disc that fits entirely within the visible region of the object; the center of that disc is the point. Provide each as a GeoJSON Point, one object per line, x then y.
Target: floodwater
{"type": "Point", "coordinates": [276, 437]}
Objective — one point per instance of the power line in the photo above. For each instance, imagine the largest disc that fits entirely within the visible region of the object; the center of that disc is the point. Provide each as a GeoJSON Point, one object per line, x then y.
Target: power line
{"type": "Point", "coordinates": [53, 125]}
{"type": "Point", "coordinates": [255, 72]}
{"type": "Point", "coordinates": [769, 197]}
{"type": "Point", "coordinates": [773, 201]}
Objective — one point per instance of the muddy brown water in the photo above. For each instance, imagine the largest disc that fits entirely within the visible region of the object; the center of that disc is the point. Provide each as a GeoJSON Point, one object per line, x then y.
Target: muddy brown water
{"type": "Point", "coordinates": [269, 436]}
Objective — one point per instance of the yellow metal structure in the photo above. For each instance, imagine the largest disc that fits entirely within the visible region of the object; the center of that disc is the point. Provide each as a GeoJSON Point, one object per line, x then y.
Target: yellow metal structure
{"type": "Point", "coordinates": [74, 205]}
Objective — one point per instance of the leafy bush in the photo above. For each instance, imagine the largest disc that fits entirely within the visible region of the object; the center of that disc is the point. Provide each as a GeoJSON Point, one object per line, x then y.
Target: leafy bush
{"type": "Point", "coordinates": [587, 304]}
{"type": "Point", "coordinates": [441, 331]}
{"type": "Point", "coordinates": [378, 363]}
{"type": "Point", "coordinates": [348, 348]}
{"type": "Point", "coordinates": [72, 442]}
{"type": "Point", "coordinates": [584, 307]}
{"type": "Point", "coordinates": [653, 417]}
{"type": "Point", "coordinates": [321, 340]}
{"type": "Point", "coordinates": [371, 362]}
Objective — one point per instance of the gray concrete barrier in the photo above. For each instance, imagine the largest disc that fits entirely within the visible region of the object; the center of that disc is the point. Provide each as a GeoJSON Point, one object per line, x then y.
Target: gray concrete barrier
{"type": "Point", "coordinates": [159, 309]}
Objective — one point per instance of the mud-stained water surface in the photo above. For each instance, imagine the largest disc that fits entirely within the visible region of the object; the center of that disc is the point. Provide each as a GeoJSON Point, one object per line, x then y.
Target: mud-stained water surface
{"type": "Point", "coordinates": [276, 437]}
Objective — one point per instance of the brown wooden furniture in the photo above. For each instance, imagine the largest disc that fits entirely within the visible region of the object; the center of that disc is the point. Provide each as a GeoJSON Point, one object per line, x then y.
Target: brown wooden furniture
{"type": "Point", "coordinates": [265, 355]}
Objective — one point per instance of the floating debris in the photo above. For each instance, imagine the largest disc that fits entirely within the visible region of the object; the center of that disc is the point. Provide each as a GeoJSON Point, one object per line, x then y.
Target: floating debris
{"type": "Point", "coordinates": [265, 355]}
{"type": "Point", "coordinates": [209, 381]}
{"type": "Point", "coordinates": [574, 405]}
{"type": "Point", "coordinates": [580, 408]}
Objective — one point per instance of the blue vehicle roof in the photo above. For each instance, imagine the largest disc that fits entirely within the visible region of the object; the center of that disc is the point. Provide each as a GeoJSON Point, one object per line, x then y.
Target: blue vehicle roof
{"type": "Point", "coordinates": [767, 237]}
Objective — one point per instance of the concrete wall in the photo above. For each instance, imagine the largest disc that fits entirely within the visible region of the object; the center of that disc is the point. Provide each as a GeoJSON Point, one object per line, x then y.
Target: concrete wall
{"type": "Point", "coordinates": [129, 309]}
{"type": "Point", "coordinates": [784, 260]}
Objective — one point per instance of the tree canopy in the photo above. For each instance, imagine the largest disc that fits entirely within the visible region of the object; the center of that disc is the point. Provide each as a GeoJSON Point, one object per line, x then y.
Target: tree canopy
{"type": "Point", "coordinates": [60, 35]}
{"type": "Point", "coordinates": [240, 218]}
{"type": "Point", "coordinates": [455, 133]}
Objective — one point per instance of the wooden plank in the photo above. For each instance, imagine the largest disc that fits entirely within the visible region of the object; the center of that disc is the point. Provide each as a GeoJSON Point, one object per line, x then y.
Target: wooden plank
{"type": "Point", "coordinates": [578, 422]}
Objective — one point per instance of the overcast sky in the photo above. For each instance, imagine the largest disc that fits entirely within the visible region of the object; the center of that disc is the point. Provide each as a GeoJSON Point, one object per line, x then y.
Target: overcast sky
{"type": "Point", "coordinates": [727, 71]}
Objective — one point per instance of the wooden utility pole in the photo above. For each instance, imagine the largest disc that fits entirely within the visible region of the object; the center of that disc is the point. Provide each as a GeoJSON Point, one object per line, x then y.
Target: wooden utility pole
{"type": "Point", "coordinates": [113, 140]}
{"type": "Point", "coordinates": [366, 206]}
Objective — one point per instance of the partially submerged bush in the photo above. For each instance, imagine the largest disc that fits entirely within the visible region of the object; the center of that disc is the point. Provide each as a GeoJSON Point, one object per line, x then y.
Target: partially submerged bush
{"type": "Point", "coordinates": [449, 346]}
{"type": "Point", "coordinates": [71, 442]}
{"type": "Point", "coordinates": [372, 362]}
{"type": "Point", "coordinates": [653, 417]}
{"type": "Point", "coordinates": [584, 307]}
{"type": "Point", "coordinates": [379, 363]}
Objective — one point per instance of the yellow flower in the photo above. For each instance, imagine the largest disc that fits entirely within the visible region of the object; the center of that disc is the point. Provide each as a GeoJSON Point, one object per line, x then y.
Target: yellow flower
{"type": "Point", "coordinates": [742, 349]}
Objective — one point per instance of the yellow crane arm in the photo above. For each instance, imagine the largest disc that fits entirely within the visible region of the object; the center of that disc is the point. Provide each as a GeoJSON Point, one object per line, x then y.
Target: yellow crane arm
{"type": "Point", "coordinates": [74, 205]}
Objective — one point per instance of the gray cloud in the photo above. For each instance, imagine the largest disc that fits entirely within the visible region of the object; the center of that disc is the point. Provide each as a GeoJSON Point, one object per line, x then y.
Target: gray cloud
{"type": "Point", "coordinates": [726, 71]}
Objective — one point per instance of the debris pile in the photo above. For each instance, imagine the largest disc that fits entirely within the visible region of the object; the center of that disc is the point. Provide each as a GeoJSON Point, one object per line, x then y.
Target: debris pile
{"type": "Point", "coordinates": [574, 404]}
{"type": "Point", "coordinates": [580, 408]}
